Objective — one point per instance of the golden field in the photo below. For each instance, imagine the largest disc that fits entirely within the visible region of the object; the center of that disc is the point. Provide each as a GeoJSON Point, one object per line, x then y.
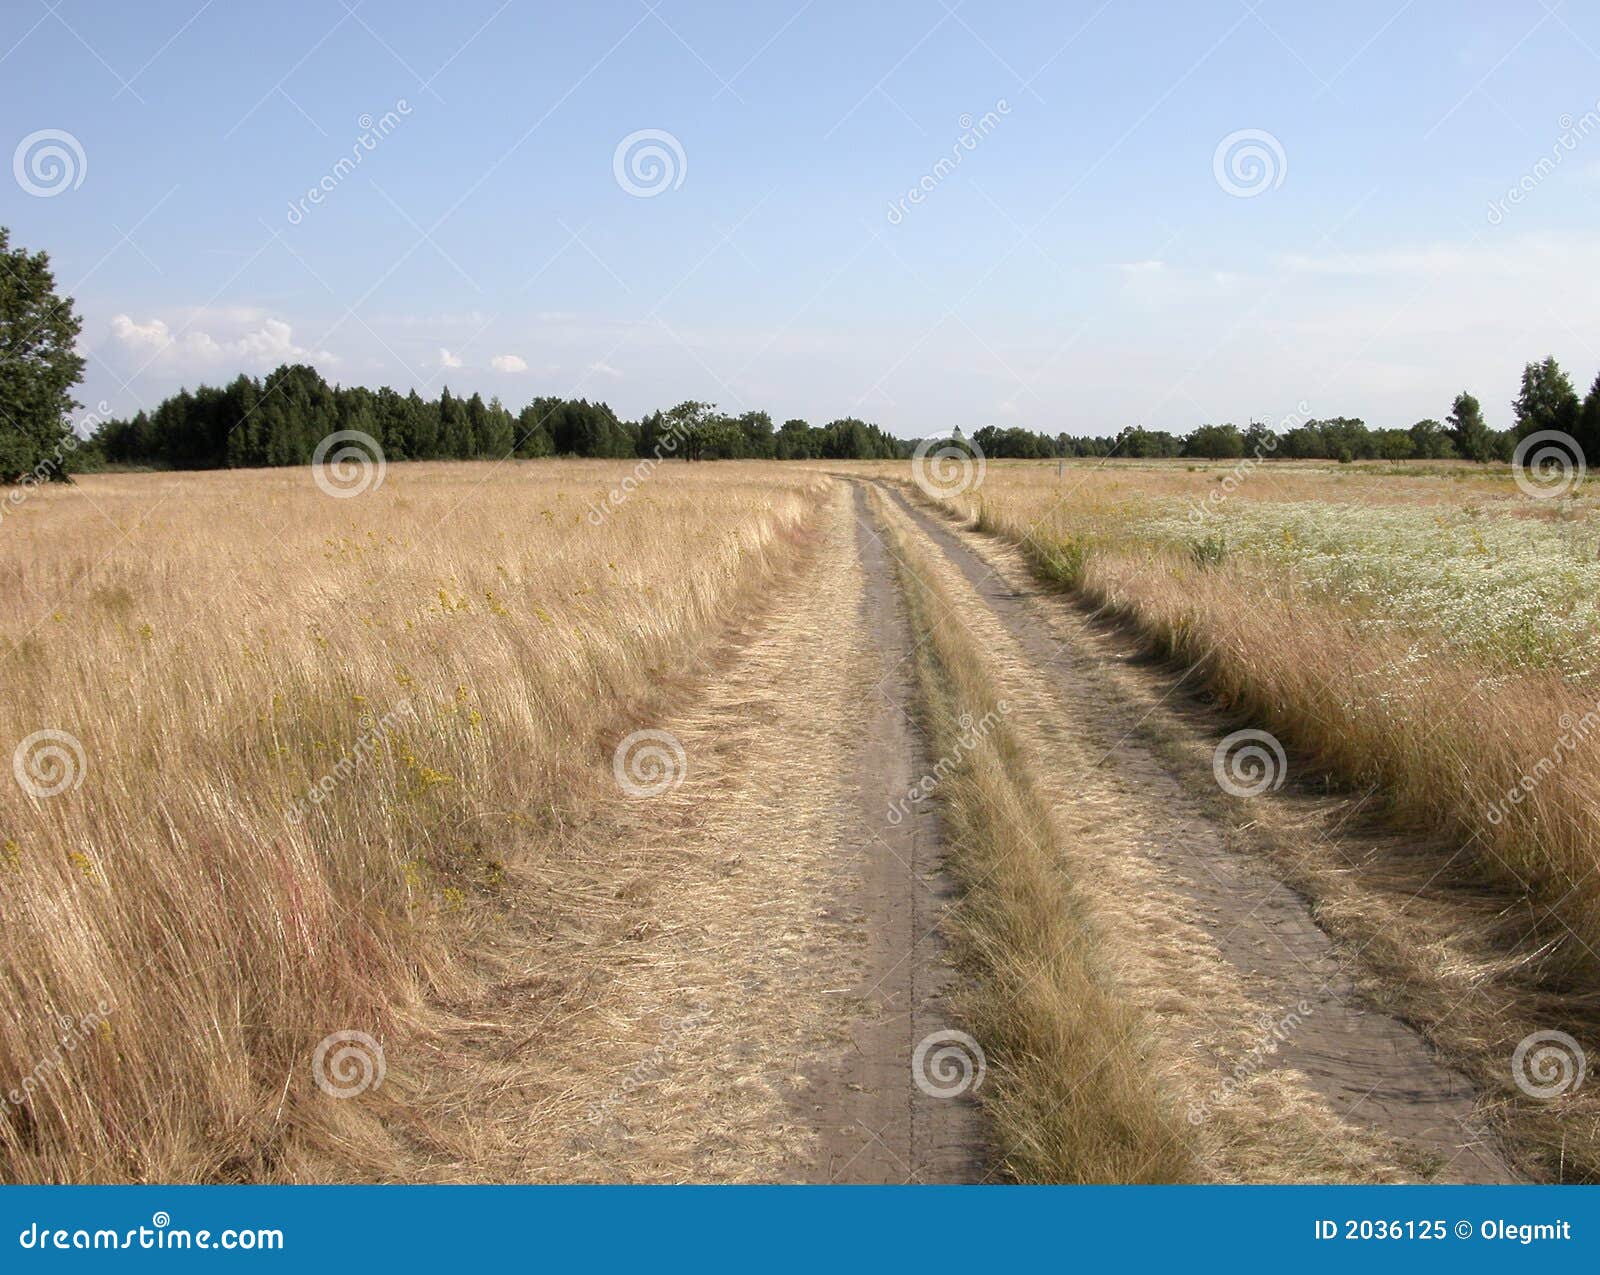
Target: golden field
{"type": "Point", "coordinates": [308, 736]}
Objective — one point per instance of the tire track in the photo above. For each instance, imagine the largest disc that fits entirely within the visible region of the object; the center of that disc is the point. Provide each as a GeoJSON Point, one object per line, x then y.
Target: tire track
{"type": "Point", "coordinates": [875, 1122]}
{"type": "Point", "coordinates": [1292, 1077]}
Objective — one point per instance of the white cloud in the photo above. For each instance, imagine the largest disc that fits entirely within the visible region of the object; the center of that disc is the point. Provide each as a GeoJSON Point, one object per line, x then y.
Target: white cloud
{"type": "Point", "coordinates": [604, 369]}
{"type": "Point", "coordinates": [446, 359]}
{"type": "Point", "coordinates": [508, 363]}
{"type": "Point", "coordinates": [221, 339]}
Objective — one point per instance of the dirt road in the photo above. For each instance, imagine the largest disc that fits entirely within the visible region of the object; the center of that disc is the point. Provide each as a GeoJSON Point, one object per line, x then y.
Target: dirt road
{"type": "Point", "coordinates": [751, 950]}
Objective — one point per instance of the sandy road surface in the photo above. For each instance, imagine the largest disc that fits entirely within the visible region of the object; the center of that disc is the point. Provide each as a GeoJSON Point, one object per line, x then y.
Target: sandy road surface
{"type": "Point", "coordinates": [747, 959]}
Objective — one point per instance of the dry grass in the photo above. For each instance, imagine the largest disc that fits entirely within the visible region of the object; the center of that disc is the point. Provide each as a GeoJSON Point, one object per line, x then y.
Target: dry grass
{"type": "Point", "coordinates": [1445, 736]}
{"type": "Point", "coordinates": [463, 636]}
{"type": "Point", "coordinates": [1481, 930]}
{"type": "Point", "coordinates": [1074, 1092]}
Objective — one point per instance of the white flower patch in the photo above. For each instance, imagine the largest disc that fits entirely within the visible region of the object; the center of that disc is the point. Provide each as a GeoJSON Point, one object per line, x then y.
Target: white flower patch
{"type": "Point", "coordinates": [1519, 592]}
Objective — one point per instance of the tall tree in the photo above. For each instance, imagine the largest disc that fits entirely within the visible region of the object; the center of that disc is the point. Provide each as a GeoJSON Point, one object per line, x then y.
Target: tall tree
{"type": "Point", "coordinates": [38, 367]}
{"type": "Point", "coordinates": [1588, 432]}
{"type": "Point", "coordinates": [1547, 400]}
{"type": "Point", "coordinates": [455, 429]}
{"type": "Point", "coordinates": [1429, 441]}
{"type": "Point", "coordinates": [1472, 438]}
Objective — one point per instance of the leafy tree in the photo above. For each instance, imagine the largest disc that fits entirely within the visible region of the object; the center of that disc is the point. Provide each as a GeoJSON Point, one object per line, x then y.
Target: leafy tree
{"type": "Point", "coordinates": [38, 367]}
{"type": "Point", "coordinates": [1261, 440]}
{"type": "Point", "coordinates": [455, 428]}
{"type": "Point", "coordinates": [796, 441]}
{"type": "Point", "coordinates": [1395, 444]}
{"type": "Point", "coordinates": [1429, 441]}
{"type": "Point", "coordinates": [533, 439]}
{"type": "Point", "coordinates": [688, 422]}
{"type": "Point", "coordinates": [1588, 431]}
{"type": "Point", "coordinates": [1215, 442]}
{"type": "Point", "coordinates": [755, 429]}
{"type": "Point", "coordinates": [1547, 400]}
{"type": "Point", "coordinates": [499, 436]}
{"type": "Point", "coordinates": [1472, 438]}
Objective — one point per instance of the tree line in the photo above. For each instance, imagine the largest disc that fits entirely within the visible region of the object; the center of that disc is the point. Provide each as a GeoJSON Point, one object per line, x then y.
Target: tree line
{"type": "Point", "coordinates": [280, 419]}
{"type": "Point", "coordinates": [1546, 401]}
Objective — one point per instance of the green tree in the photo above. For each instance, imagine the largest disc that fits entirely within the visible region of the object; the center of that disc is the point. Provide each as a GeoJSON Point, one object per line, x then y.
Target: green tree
{"type": "Point", "coordinates": [455, 428]}
{"type": "Point", "coordinates": [38, 367]}
{"type": "Point", "coordinates": [1215, 442]}
{"type": "Point", "coordinates": [688, 422]}
{"type": "Point", "coordinates": [1472, 438]}
{"type": "Point", "coordinates": [1430, 441]}
{"type": "Point", "coordinates": [1588, 433]}
{"type": "Point", "coordinates": [1547, 400]}
{"type": "Point", "coordinates": [499, 436]}
{"type": "Point", "coordinates": [1395, 444]}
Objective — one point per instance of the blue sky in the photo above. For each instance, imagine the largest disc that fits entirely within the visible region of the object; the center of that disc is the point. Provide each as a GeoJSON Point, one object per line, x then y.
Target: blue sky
{"type": "Point", "coordinates": [1083, 267]}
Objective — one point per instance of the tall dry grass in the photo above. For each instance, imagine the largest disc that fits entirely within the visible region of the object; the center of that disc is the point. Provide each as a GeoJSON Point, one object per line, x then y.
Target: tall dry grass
{"type": "Point", "coordinates": [1445, 738]}
{"type": "Point", "coordinates": [444, 660]}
